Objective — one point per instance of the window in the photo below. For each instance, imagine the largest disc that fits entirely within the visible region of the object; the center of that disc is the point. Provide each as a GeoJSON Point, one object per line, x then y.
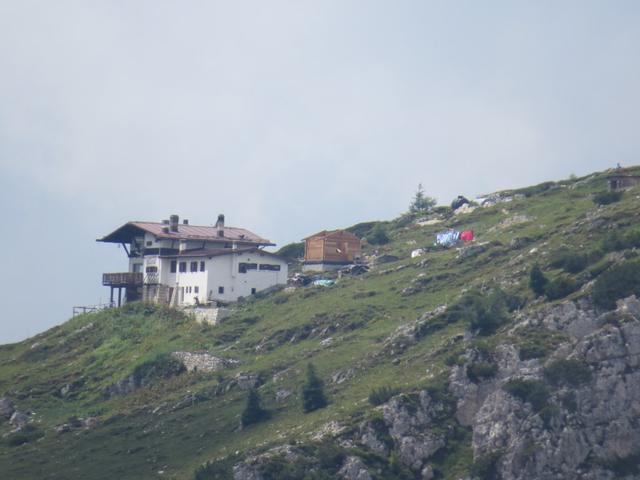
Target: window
{"type": "Point", "coordinates": [183, 267]}
{"type": "Point", "coordinates": [267, 266]}
{"type": "Point", "coordinates": [187, 289]}
{"type": "Point", "coordinates": [194, 266]}
{"type": "Point", "coordinates": [220, 289]}
{"type": "Point", "coordinates": [196, 289]}
{"type": "Point", "coordinates": [202, 266]}
{"type": "Point", "coordinates": [151, 269]}
{"type": "Point", "coordinates": [243, 267]}
{"type": "Point", "coordinates": [174, 266]}
{"type": "Point", "coordinates": [149, 243]}
{"type": "Point", "coordinates": [253, 291]}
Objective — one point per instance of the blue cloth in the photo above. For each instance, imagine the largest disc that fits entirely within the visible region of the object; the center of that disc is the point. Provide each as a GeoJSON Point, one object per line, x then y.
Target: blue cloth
{"type": "Point", "coordinates": [448, 238]}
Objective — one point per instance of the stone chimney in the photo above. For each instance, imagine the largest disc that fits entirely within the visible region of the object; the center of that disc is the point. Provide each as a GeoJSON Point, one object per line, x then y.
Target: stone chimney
{"type": "Point", "coordinates": [173, 223]}
{"type": "Point", "coordinates": [220, 225]}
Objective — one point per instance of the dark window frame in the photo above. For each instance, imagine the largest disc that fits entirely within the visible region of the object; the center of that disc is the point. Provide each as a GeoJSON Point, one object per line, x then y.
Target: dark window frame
{"type": "Point", "coordinates": [174, 266]}
{"type": "Point", "coordinates": [202, 265]}
{"type": "Point", "coordinates": [193, 267]}
{"type": "Point", "coordinates": [182, 267]}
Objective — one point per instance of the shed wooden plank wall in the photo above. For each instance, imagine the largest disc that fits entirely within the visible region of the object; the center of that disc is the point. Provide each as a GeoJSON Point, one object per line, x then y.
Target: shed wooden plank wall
{"type": "Point", "coordinates": [337, 246]}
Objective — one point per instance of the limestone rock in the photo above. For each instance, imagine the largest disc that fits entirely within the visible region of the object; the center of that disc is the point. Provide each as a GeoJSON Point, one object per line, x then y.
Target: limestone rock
{"type": "Point", "coordinates": [18, 419]}
{"type": "Point", "coordinates": [354, 469]}
{"type": "Point", "coordinates": [6, 407]}
{"type": "Point", "coordinates": [203, 362]}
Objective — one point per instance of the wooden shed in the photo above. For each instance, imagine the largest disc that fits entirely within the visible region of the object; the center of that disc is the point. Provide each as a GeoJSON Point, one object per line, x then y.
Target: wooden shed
{"type": "Point", "coordinates": [328, 250]}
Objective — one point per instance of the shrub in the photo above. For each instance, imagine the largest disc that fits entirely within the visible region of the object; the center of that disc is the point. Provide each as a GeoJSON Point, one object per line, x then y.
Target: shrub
{"type": "Point", "coordinates": [253, 411]}
{"type": "Point", "coordinates": [162, 366]}
{"type": "Point", "coordinates": [313, 396]}
{"type": "Point", "coordinates": [560, 287]}
{"type": "Point", "coordinates": [486, 467]}
{"type": "Point", "coordinates": [378, 235]}
{"type": "Point", "coordinates": [569, 260]}
{"type": "Point", "coordinates": [27, 434]}
{"type": "Point", "coordinates": [485, 313]}
{"type": "Point", "coordinates": [534, 392]}
{"type": "Point", "coordinates": [537, 280]}
{"type": "Point", "coordinates": [605, 198]}
{"type": "Point", "coordinates": [481, 370]}
{"type": "Point", "coordinates": [292, 251]}
{"type": "Point", "coordinates": [531, 350]}
{"type": "Point", "coordinates": [624, 466]}
{"type": "Point", "coordinates": [618, 282]}
{"type": "Point", "coordinates": [381, 395]}
{"type": "Point", "coordinates": [567, 372]}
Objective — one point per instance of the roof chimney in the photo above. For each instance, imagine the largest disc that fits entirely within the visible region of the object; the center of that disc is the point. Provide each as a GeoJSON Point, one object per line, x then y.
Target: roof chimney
{"type": "Point", "coordinates": [173, 223]}
{"type": "Point", "coordinates": [220, 225]}
{"type": "Point", "coordinates": [185, 222]}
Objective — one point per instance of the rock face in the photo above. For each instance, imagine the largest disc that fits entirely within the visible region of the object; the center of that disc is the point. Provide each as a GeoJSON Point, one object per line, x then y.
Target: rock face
{"type": "Point", "coordinates": [582, 427]}
{"type": "Point", "coordinates": [354, 469]}
{"type": "Point", "coordinates": [18, 419]}
{"type": "Point", "coordinates": [6, 407]}
{"type": "Point", "coordinates": [203, 362]}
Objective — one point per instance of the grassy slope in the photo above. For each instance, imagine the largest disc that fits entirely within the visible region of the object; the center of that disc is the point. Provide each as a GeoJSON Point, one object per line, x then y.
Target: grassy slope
{"type": "Point", "coordinates": [134, 442]}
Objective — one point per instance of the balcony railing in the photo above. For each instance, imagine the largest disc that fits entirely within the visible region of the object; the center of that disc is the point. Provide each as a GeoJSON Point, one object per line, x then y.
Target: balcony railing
{"type": "Point", "coordinates": [151, 278]}
{"type": "Point", "coordinates": [125, 279]}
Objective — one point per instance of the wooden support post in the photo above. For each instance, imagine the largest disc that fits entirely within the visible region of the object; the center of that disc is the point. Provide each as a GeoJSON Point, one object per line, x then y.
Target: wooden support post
{"type": "Point", "coordinates": [119, 296]}
{"type": "Point", "coordinates": [111, 302]}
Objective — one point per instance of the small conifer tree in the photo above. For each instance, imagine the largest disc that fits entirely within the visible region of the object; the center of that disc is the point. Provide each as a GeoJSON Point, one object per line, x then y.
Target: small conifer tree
{"type": "Point", "coordinates": [421, 202]}
{"type": "Point", "coordinates": [313, 396]}
{"type": "Point", "coordinates": [253, 411]}
{"type": "Point", "coordinates": [537, 280]}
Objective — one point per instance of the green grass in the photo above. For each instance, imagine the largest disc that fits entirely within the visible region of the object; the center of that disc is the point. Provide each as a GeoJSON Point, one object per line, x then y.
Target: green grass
{"type": "Point", "coordinates": [278, 335]}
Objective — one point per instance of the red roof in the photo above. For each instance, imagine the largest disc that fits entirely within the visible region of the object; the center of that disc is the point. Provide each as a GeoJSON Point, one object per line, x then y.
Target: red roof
{"type": "Point", "coordinates": [185, 232]}
{"type": "Point", "coordinates": [217, 252]}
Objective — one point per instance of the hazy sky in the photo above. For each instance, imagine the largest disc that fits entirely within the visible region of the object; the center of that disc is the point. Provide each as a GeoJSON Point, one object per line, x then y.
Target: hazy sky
{"type": "Point", "coordinates": [287, 116]}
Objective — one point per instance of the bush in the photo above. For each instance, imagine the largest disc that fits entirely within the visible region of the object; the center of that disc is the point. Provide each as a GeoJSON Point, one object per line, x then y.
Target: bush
{"type": "Point", "coordinates": [313, 396]}
{"type": "Point", "coordinates": [485, 313]}
{"type": "Point", "coordinates": [486, 466]}
{"type": "Point", "coordinates": [569, 260]}
{"type": "Point", "coordinates": [537, 280]}
{"type": "Point", "coordinates": [292, 251]}
{"type": "Point", "coordinates": [531, 350]}
{"type": "Point", "coordinates": [481, 370]}
{"type": "Point", "coordinates": [618, 282]}
{"type": "Point", "coordinates": [567, 372]}
{"type": "Point", "coordinates": [381, 395]}
{"type": "Point", "coordinates": [534, 392]}
{"type": "Point", "coordinates": [253, 411]}
{"type": "Point", "coordinates": [27, 434]}
{"type": "Point", "coordinates": [560, 287]}
{"type": "Point", "coordinates": [608, 197]}
{"type": "Point", "coordinates": [162, 366]}
{"type": "Point", "coordinates": [378, 235]}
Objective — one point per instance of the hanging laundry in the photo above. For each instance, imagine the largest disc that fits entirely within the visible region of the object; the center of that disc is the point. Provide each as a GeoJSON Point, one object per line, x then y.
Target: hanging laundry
{"type": "Point", "coordinates": [447, 238]}
{"type": "Point", "coordinates": [467, 236]}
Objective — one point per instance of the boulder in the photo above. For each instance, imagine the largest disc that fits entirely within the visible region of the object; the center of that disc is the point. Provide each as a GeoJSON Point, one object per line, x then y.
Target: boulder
{"type": "Point", "coordinates": [18, 419]}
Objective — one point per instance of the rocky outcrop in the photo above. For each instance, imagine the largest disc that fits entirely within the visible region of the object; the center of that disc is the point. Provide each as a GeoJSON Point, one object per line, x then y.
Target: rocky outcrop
{"type": "Point", "coordinates": [354, 469]}
{"type": "Point", "coordinates": [203, 362]}
{"type": "Point", "coordinates": [410, 333]}
{"type": "Point", "coordinates": [6, 407]}
{"type": "Point", "coordinates": [18, 419]}
{"type": "Point", "coordinates": [581, 427]}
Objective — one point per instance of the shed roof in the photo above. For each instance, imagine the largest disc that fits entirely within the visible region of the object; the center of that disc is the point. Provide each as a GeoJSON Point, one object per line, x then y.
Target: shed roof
{"type": "Point", "coordinates": [330, 233]}
{"type": "Point", "coordinates": [185, 232]}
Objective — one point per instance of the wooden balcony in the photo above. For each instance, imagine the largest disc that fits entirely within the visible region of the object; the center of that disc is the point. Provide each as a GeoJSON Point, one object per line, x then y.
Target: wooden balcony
{"type": "Point", "coordinates": [124, 279]}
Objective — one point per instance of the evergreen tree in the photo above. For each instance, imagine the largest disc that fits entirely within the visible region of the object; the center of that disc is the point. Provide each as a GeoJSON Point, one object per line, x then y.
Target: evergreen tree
{"type": "Point", "coordinates": [253, 411]}
{"type": "Point", "coordinates": [313, 392]}
{"type": "Point", "coordinates": [421, 202]}
{"type": "Point", "coordinates": [537, 280]}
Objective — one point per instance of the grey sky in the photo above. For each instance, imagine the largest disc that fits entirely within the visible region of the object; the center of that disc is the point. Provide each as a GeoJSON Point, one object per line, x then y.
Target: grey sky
{"type": "Point", "coordinates": [287, 116]}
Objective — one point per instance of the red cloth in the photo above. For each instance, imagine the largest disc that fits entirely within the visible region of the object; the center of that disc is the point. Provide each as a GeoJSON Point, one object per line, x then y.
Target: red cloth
{"type": "Point", "coordinates": [466, 236]}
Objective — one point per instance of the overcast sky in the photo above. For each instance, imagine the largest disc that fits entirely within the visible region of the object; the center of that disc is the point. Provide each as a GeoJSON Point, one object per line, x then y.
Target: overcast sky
{"type": "Point", "coordinates": [287, 116]}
